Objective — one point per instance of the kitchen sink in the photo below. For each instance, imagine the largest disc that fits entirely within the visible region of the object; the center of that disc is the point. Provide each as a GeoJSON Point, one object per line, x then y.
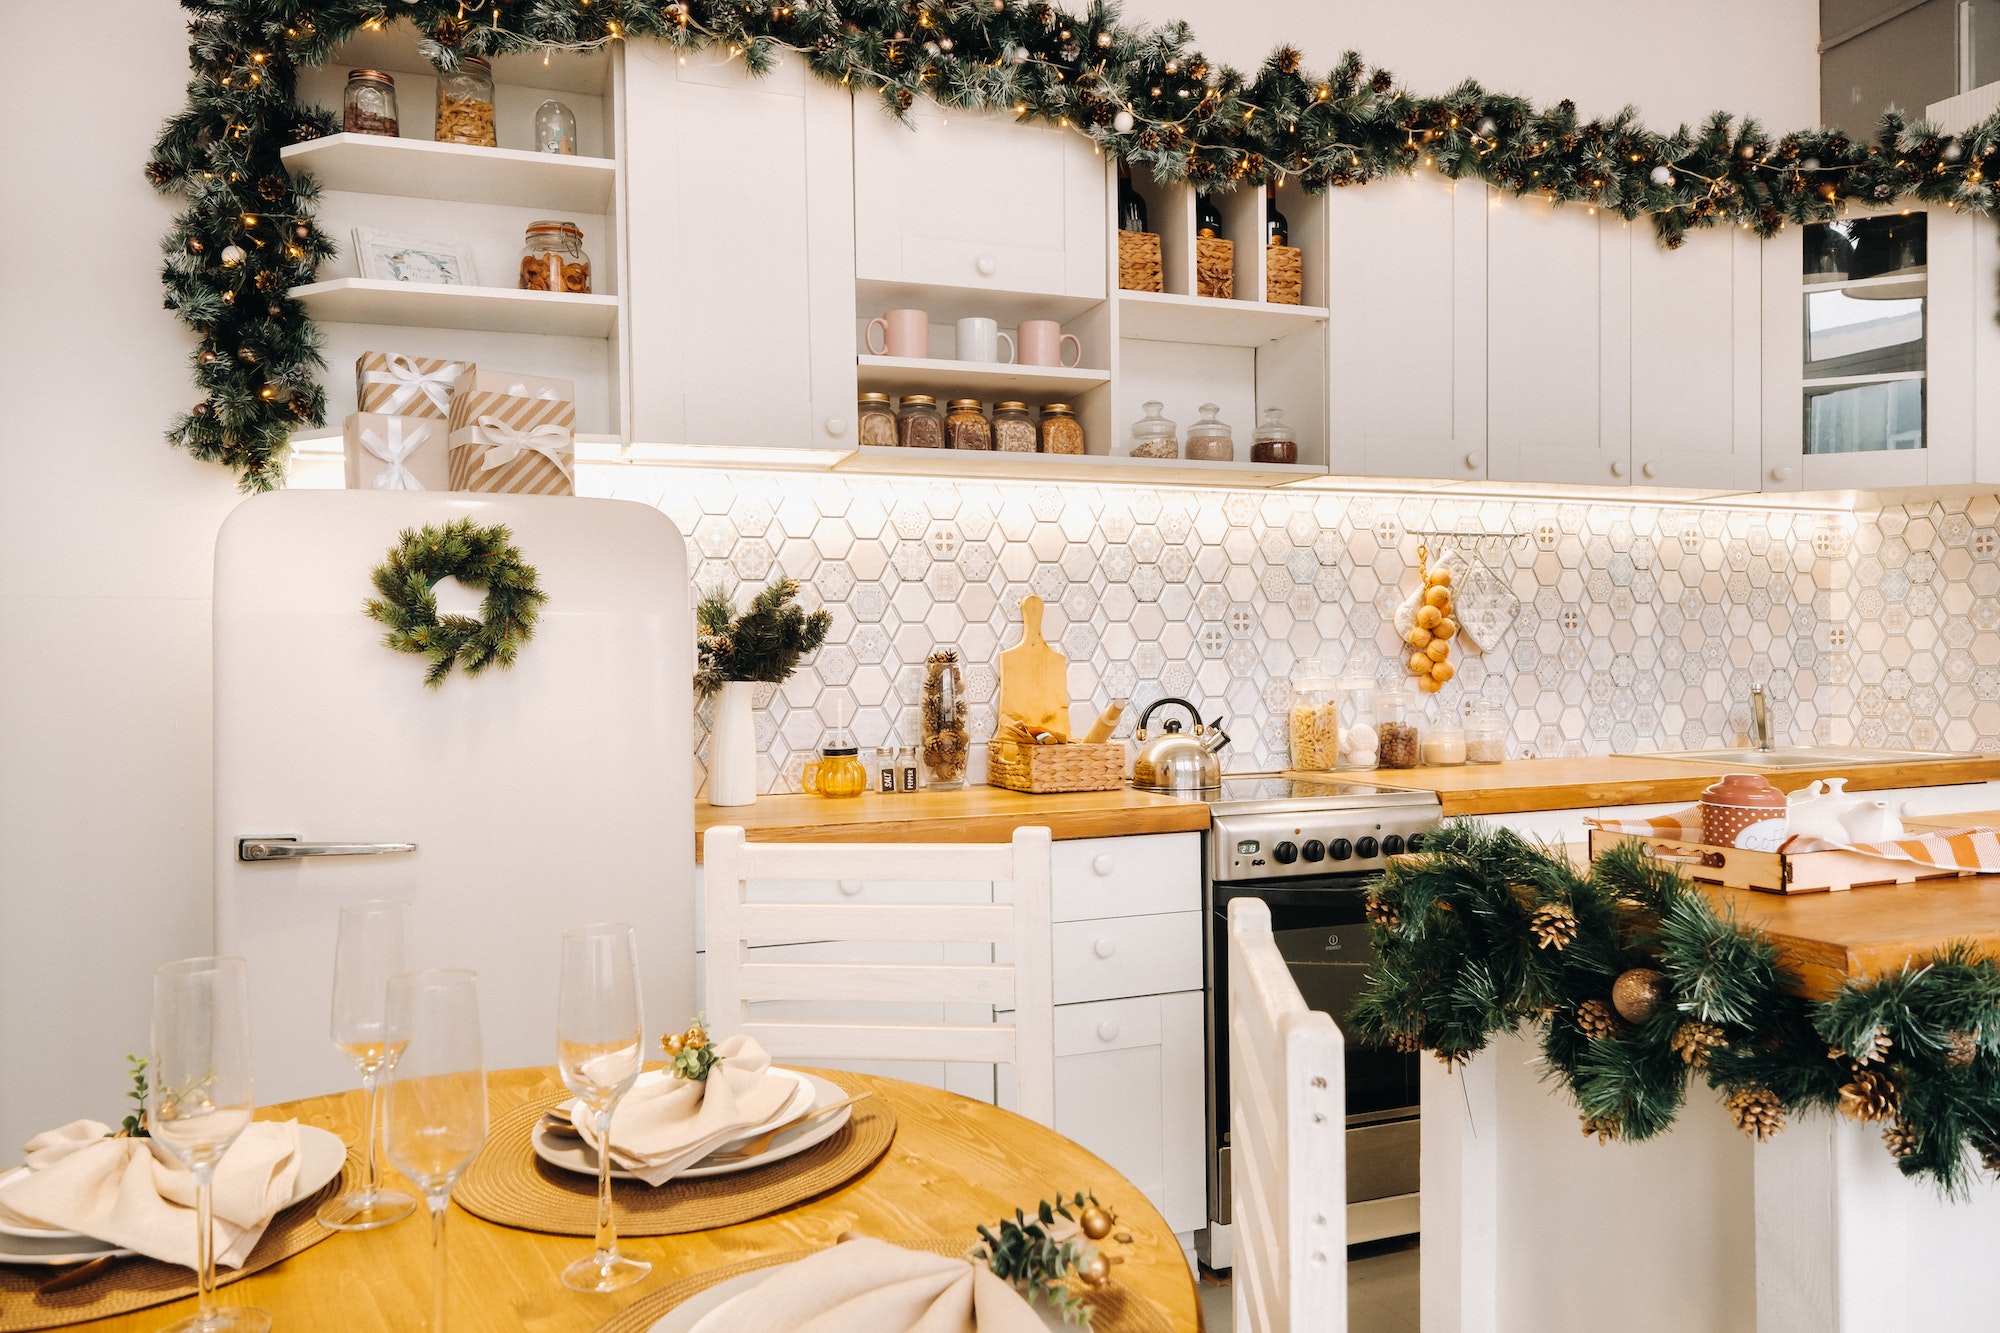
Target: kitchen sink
{"type": "Point", "coordinates": [1797, 756]}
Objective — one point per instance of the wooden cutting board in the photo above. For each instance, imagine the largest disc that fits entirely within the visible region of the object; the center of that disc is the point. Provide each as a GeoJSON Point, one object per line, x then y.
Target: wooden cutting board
{"type": "Point", "coordinates": [1034, 679]}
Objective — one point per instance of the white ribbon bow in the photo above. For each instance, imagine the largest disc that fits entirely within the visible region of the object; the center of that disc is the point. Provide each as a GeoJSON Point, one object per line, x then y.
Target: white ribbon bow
{"type": "Point", "coordinates": [410, 382]}
{"type": "Point", "coordinates": [504, 443]}
{"type": "Point", "coordinates": [405, 435]}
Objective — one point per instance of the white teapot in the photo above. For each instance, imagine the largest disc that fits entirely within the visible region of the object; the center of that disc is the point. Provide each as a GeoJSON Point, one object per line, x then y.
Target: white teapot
{"type": "Point", "coordinates": [1871, 821]}
{"type": "Point", "coordinates": [1818, 811]}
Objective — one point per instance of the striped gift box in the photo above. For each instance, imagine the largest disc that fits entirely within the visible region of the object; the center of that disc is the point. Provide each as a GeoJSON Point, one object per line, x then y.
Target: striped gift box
{"type": "Point", "coordinates": [513, 433]}
{"type": "Point", "coordinates": [406, 386]}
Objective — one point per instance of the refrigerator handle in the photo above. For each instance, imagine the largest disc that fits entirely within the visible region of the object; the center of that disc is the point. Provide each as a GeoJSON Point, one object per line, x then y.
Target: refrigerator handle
{"type": "Point", "coordinates": [280, 847]}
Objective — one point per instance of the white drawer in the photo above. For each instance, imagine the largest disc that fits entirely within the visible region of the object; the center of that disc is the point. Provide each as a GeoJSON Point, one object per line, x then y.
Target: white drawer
{"type": "Point", "coordinates": [1139, 955]}
{"type": "Point", "coordinates": [1136, 876]}
{"type": "Point", "coordinates": [1108, 1025]}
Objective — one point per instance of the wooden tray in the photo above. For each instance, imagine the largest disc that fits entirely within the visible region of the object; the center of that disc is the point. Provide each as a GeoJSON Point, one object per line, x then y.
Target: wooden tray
{"type": "Point", "coordinates": [1053, 768]}
{"type": "Point", "coordinates": [1774, 872]}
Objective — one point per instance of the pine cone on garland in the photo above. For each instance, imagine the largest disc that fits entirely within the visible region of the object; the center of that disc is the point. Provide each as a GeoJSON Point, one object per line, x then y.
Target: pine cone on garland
{"type": "Point", "coordinates": [1596, 1019]}
{"type": "Point", "coordinates": [269, 282]}
{"type": "Point", "coordinates": [1605, 1127]}
{"type": "Point", "coordinates": [1961, 1049]}
{"type": "Point", "coordinates": [827, 44]}
{"type": "Point", "coordinates": [1901, 1139]}
{"type": "Point", "coordinates": [1453, 1061]}
{"type": "Point", "coordinates": [160, 173]}
{"type": "Point", "coordinates": [1149, 141]}
{"type": "Point", "coordinates": [1989, 1156]}
{"type": "Point", "coordinates": [1381, 81]}
{"type": "Point", "coordinates": [1877, 1049]}
{"type": "Point", "coordinates": [1694, 1041]}
{"type": "Point", "coordinates": [1757, 1112]}
{"type": "Point", "coordinates": [1869, 1095]}
{"type": "Point", "coordinates": [449, 31]}
{"type": "Point", "coordinates": [1553, 926]}
{"type": "Point", "coordinates": [1289, 59]}
{"type": "Point", "coordinates": [1379, 911]}
{"type": "Point", "coordinates": [1407, 1043]}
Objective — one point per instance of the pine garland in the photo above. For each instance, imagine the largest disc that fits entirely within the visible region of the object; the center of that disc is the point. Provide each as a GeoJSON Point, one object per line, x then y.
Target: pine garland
{"type": "Point", "coordinates": [1142, 93]}
{"type": "Point", "coordinates": [481, 557]}
{"type": "Point", "coordinates": [1460, 959]}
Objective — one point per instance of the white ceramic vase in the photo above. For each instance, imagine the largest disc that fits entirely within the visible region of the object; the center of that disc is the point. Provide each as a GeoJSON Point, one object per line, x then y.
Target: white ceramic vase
{"type": "Point", "coordinates": [732, 746]}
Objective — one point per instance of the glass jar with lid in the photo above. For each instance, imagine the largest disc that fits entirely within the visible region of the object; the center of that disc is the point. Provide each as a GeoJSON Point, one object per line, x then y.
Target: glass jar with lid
{"type": "Point", "coordinates": [1062, 433]}
{"type": "Point", "coordinates": [1401, 739]}
{"type": "Point", "coordinates": [1359, 739]}
{"type": "Point", "coordinates": [1274, 441]}
{"type": "Point", "coordinates": [1013, 429]}
{"type": "Point", "coordinates": [1444, 742]}
{"type": "Point", "coordinates": [1485, 733]}
{"type": "Point", "coordinates": [875, 420]}
{"type": "Point", "coordinates": [1153, 436]}
{"type": "Point", "coordinates": [967, 426]}
{"type": "Point", "coordinates": [555, 129]}
{"type": "Point", "coordinates": [465, 104]}
{"type": "Point", "coordinates": [919, 424]}
{"type": "Point", "coordinates": [368, 106]}
{"type": "Point", "coordinates": [1313, 722]}
{"type": "Point", "coordinates": [1209, 439]}
{"type": "Point", "coordinates": [552, 258]}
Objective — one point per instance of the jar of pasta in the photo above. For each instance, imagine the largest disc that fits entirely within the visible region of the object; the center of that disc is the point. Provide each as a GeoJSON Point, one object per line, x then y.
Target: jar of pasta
{"type": "Point", "coordinates": [1313, 723]}
{"type": "Point", "coordinates": [552, 258]}
{"type": "Point", "coordinates": [465, 104]}
{"type": "Point", "coordinates": [967, 426]}
{"type": "Point", "coordinates": [1062, 433]}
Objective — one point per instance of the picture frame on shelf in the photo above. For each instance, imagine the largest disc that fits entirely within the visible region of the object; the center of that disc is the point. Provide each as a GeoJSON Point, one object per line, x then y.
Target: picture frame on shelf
{"type": "Point", "coordinates": [393, 258]}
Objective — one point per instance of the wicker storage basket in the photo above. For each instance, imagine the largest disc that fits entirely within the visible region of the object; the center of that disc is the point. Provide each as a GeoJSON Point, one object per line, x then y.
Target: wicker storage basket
{"type": "Point", "coordinates": [1284, 268]}
{"type": "Point", "coordinates": [1051, 768]}
{"type": "Point", "coordinates": [1214, 267]}
{"type": "Point", "coordinates": [1139, 261]}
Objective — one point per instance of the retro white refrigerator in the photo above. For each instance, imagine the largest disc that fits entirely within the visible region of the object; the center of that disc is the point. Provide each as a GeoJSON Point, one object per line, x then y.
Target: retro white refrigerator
{"type": "Point", "coordinates": [551, 794]}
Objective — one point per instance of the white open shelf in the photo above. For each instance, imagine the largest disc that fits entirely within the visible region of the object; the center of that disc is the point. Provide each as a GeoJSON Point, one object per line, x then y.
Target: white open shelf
{"type": "Point", "coordinates": [967, 379]}
{"type": "Point", "coordinates": [437, 306]}
{"type": "Point", "coordinates": [1166, 317]}
{"type": "Point", "coordinates": [462, 173]}
{"type": "Point", "coordinates": [993, 465]}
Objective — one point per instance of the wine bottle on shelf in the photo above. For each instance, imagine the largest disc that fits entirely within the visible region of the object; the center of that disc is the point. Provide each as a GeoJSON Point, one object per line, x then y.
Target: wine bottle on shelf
{"type": "Point", "coordinates": [1276, 230]}
{"type": "Point", "coordinates": [1207, 220]}
{"type": "Point", "coordinates": [1131, 204]}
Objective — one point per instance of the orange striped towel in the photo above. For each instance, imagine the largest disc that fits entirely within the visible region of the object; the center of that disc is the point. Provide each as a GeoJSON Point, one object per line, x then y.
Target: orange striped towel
{"type": "Point", "coordinates": [1967, 849]}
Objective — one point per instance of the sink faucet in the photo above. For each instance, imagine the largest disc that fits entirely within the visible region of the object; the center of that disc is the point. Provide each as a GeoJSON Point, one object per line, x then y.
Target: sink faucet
{"type": "Point", "coordinates": [1760, 719]}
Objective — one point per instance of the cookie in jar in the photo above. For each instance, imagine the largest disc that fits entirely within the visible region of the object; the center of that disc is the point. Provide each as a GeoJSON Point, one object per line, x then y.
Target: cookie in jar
{"type": "Point", "coordinates": [552, 258]}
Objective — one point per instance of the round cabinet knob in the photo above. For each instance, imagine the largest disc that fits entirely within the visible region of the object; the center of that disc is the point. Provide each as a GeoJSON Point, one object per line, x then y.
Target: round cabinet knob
{"type": "Point", "coordinates": [1617, 469]}
{"type": "Point", "coordinates": [1648, 470]}
{"type": "Point", "coordinates": [1104, 948]}
{"type": "Point", "coordinates": [836, 426]}
{"type": "Point", "coordinates": [1472, 460]}
{"type": "Point", "coordinates": [1107, 1031]}
{"type": "Point", "coordinates": [1102, 863]}
{"type": "Point", "coordinates": [987, 265]}
{"type": "Point", "coordinates": [850, 887]}
{"type": "Point", "coordinates": [1781, 474]}
{"type": "Point", "coordinates": [1366, 848]}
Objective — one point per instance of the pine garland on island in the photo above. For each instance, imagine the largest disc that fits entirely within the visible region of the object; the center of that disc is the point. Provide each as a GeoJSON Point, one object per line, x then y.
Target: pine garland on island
{"type": "Point", "coordinates": [1647, 985]}
{"type": "Point", "coordinates": [1142, 93]}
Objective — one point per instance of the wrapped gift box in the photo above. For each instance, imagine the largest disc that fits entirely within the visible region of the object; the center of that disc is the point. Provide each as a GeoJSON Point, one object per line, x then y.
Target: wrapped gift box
{"type": "Point", "coordinates": [396, 453]}
{"type": "Point", "coordinates": [513, 433]}
{"type": "Point", "coordinates": [408, 386]}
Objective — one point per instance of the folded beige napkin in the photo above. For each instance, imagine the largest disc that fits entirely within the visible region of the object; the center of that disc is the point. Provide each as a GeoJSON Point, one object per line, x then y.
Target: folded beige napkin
{"type": "Point", "coordinates": [663, 1126]}
{"type": "Point", "coordinates": [870, 1286]}
{"type": "Point", "coordinates": [117, 1190]}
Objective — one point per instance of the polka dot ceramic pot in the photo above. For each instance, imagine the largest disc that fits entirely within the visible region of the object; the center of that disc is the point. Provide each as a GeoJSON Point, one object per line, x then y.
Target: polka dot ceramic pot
{"type": "Point", "coordinates": [1743, 810]}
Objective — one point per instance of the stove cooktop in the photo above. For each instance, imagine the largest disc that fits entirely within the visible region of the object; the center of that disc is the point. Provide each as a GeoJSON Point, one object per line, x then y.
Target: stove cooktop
{"type": "Point", "coordinates": [1248, 793]}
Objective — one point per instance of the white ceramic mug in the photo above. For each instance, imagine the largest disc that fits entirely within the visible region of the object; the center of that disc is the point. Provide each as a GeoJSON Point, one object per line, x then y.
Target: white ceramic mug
{"type": "Point", "coordinates": [904, 333]}
{"type": "Point", "coordinates": [1041, 343]}
{"type": "Point", "coordinates": [979, 340]}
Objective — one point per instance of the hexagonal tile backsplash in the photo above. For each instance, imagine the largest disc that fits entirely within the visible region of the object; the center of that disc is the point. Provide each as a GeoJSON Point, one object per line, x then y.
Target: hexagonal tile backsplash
{"type": "Point", "coordinates": [1640, 626]}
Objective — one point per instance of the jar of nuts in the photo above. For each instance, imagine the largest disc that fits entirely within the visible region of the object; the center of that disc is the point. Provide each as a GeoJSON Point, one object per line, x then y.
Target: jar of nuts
{"type": "Point", "coordinates": [552, 258]}
{"type": "Point", "coordinates": [368, 106]}
{"type": "Point", "coordinates": [1062, 433]}
{"type": "Point", "coordinates": [1013, 428]}
{"type": "Point", "coordinates": [1396, 725]}
{"type": "Point", "coordinates": [967, 425]}
{"type": "Point", "coordinates": [465, 104]}
{"type": "Point", "coordinates": [919, 424]}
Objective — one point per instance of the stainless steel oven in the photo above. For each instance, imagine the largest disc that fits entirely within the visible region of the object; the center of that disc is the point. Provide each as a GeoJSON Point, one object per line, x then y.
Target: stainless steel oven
{"type": "Point", "coordinates": [1308, 850]}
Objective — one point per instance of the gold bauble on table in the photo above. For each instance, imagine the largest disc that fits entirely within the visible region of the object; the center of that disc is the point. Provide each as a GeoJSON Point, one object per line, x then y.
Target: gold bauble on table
{"type": "Point", "coordinates": [1096, 1222]}
{"type": "Point", "coordinates": [1638, 992]}
{"type": "Point", "coordinates": [1095, 1271]}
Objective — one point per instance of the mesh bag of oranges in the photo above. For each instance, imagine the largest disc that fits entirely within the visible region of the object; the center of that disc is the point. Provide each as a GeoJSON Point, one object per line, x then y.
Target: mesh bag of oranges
{"type": "Point", "coordinates": [1426, 622]}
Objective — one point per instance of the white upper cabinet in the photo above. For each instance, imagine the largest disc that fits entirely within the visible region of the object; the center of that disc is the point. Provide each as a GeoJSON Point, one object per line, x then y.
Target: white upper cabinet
{"type": "Point", "coordinates": [739, 195]}
{"type": "Point", "coordinates": [1559, 329]}
{"type": "Point", "coordinates": [1406, 282]}
{"type": "Point", "coordinates": [1696, 377]}
{"type": "Point", "coordinates": [958, 199]}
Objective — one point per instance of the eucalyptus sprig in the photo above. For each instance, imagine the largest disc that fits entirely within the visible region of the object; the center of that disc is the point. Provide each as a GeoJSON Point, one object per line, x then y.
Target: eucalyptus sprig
{"type": "Point", "coordinates": [1038, 1256]}
{"type": "Point", "coordinates": [134, 1124]}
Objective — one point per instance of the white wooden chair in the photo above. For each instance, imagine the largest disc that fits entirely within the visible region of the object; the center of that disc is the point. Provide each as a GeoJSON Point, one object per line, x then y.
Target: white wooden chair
{"type": "Point", "coordinates": [1025, 985]}
{"type": "Point", "coordinates": [1287, 1127]}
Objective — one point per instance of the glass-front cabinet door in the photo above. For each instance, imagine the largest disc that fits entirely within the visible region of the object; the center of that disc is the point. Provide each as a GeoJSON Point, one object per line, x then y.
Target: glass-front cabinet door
{"type": "Point", "coordinates": [1863, 321]}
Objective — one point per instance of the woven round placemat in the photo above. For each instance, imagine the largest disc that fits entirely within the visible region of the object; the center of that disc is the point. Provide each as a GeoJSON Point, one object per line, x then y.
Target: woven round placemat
{"type": "Point", "coordinates": [137, 1282]}
{"type": "Point", "coordinates": [508, 1184]}
{"type": "Point", "coordinates": [1112, 1309]}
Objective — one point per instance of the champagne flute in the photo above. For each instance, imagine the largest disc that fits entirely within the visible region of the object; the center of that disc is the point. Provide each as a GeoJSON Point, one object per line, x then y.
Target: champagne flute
{"type": "Point", "coordinates": [435, 1120]}
{"type": "Point", "coordinates": [368, 952]}
{"type": "Point", "coordinates": [599, 1034]}
{"type": "Point", "coordinates": [201, 1100]}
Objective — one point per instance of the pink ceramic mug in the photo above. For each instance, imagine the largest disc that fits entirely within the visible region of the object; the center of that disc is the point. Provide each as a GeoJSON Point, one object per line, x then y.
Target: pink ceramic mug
{"type": "Point", "coordinates": [904, 333]}
{"type": "Point", "coordinates": [1041, 343]}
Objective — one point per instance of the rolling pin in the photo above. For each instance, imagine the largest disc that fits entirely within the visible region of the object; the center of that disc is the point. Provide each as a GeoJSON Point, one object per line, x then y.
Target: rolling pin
{"type": "Point", "coordinates": [1107, 721]}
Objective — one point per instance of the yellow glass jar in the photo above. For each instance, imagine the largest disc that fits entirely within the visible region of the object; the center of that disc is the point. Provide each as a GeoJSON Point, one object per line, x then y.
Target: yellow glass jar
{"type": "Point", "coordinates": [837, 772]}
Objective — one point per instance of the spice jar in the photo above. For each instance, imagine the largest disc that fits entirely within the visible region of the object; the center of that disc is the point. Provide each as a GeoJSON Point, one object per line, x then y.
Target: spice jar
{"type": "Point", "coordinates": [368, 106]}
{"type": "Point", "coordinates": [555, 129]}
{"type": "Point", "coordinates": [1062, 433]}
{"type": "Point", "coordinates": [875, 416]}
{"type": "Point", "coordinates": [1396, 724]}
{"type": "Point", "coordinates": [967, 426]}
{"type": "Point", "coordinates": [945, 738]}
{"type": "Point", "coordinates": [1013, 429]}
{"type": "Point", "coordinates": [552, 258]}
{"type": "Point", "coordinates": [465, 104]}
{"type": "Point", "coordinates": [1210, 440]}
{"type": "Point", "coordinates": [1274, 441]}
{"type": "Point", "coordinates": [882, 773]}
{"type": "Point", "coordinates": [1485, 734]}
{"type": "Point", "coordinates": [919, 424]}
{"type": "Point", "coordinates": [837, 772]}
{"type": "Point", "coordinates": [1313, 723]}
{"type": "Point", "coordinates": [1359, 739]}
{"type": "Point", "coordinates": [1153, 435]}
{"type": "Point", "coordinates": [1444, 744]}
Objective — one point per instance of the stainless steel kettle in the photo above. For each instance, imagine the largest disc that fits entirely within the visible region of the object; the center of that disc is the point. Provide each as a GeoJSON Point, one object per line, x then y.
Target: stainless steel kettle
{"type": "Point", "coordinates": [1174, 760]}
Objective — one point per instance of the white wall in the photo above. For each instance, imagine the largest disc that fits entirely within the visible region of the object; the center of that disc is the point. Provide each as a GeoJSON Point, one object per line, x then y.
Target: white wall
{"type": "Point", "coordinates": [105, 540]}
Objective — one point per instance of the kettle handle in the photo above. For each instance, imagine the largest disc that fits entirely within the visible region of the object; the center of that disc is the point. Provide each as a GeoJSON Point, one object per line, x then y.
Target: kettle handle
{"type": "Point", "coordinates": [1215, 729]}
{"type": "Point", "coordinates": [1139, 733]}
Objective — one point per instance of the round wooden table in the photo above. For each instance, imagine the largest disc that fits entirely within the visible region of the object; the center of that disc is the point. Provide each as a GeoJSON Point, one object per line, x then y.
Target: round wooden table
{"type": "Point", "coordinates": [955, 1164]}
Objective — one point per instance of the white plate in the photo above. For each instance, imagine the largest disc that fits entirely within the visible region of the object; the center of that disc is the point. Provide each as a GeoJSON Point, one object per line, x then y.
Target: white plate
{"type": "Point", "coordinates": [683, 1318]}
{"type": "Point", "coordinates": [321, 1155]}
{"type": "Point", "coordinates": [574, 1155]}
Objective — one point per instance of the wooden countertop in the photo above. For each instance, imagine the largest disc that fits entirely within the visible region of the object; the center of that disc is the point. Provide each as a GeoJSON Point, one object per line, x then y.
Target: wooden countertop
{"type": "Point", "coordinates": [970, 814]}
{"type": "Point", "coordinates": [1567, 784]}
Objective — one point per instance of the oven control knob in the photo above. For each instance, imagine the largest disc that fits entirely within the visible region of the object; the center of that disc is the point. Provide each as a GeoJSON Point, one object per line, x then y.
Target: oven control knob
{"type": "Point", "coordinates": [1340, 849]}
{"type": "Point", "coordinates": [1392, 845]}
{"type": "Point", "coordinates": [1415, 842]}
{"type": "Point", "coordinates": [1314, 850]}
{"type": "Point", "coordinates": [1286, 853]}
{"type": "Point", "coordinates": [1366, 848]}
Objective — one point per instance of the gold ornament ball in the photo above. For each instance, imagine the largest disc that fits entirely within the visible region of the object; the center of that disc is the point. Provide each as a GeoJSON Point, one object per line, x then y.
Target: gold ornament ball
{"type": "Point", "coordinates": [671, 1043]}
{"type": "Point", "coordinates": [1096, 1222]}
{"type": "Point", "coordinates": [1096, 1271]}
{"type": "Point", "coordinates": [1637, 993]}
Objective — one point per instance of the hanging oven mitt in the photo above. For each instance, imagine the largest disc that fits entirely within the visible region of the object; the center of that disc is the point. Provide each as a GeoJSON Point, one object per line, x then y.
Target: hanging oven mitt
{"type": "Point", "coordinates": [1486, 607]}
